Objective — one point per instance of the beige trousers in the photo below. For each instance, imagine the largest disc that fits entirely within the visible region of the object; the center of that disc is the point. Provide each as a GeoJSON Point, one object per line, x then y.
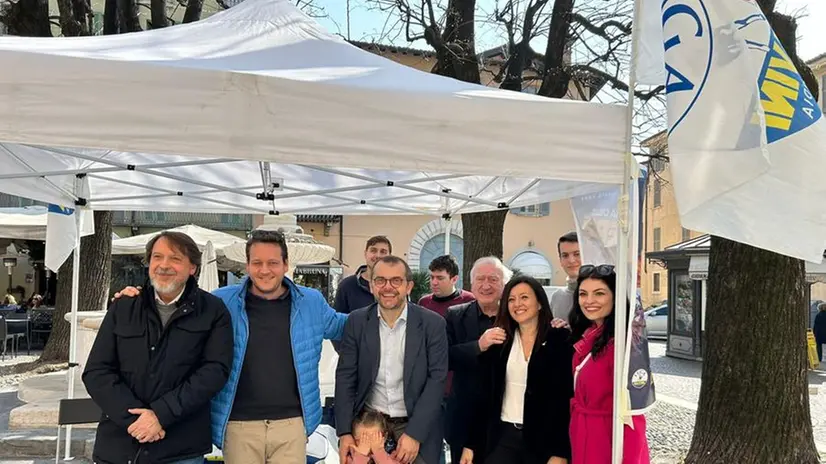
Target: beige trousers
{"type": "Point", "coordinates": [266, 442]}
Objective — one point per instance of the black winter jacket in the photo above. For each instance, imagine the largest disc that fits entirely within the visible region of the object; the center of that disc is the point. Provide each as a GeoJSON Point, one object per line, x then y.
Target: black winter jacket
{"type": "Point", "coordinates": [175, 371]}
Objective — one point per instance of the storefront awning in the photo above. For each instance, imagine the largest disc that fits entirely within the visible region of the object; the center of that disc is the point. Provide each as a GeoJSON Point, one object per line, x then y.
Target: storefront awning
{"type": "Point", "coordinates": [698, 270]}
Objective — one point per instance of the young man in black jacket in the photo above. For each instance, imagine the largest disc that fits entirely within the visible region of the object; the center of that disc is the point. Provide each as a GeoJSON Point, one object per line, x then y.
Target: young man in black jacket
{"type": "Point", "coordinates": [158, 360]}
{"type": "Point", "coordinates": [354, 291]}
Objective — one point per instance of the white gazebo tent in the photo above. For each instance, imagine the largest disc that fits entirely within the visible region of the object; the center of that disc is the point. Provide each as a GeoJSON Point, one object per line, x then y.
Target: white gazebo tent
{"type": "Point", "coordinates": [25, 223]}
{"type": "Point", "coordinates": [288, 118]}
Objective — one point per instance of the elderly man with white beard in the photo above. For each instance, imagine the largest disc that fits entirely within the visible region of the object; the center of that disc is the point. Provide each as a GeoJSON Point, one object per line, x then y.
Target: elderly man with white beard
{"type": "Point", "coordinates": [158, 360]}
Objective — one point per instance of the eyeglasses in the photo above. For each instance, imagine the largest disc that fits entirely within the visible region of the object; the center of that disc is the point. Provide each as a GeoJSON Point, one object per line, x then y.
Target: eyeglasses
{"type": "Point", "coordinates": [395, 282]}
{"type": "Point", "coordinates": [589, 270]}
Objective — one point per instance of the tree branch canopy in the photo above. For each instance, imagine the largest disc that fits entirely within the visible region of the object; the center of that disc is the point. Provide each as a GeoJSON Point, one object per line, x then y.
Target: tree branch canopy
{"type": "Point", "coordinates": [580, 69]}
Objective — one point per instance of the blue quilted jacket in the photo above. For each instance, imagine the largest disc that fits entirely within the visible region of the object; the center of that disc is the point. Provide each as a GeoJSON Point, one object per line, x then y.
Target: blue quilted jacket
{"type": "Point", "coordinates": [311, 321]}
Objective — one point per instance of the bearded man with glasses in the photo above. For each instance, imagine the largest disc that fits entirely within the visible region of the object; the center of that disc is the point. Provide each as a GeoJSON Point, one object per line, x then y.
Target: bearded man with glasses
{"type": "Point", "coordinates": [393, 360]}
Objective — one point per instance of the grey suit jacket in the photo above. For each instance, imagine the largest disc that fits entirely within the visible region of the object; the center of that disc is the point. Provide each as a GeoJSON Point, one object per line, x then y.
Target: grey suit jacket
{"type": "Point", "coordinates": [425, 372]}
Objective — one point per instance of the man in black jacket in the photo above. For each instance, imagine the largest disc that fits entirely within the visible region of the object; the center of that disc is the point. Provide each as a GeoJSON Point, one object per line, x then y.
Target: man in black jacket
{"type": "Point", "coordinates": [158, 360]}
{"type": "Point", "coordinates": [470, 332]}
{"type": "Point", "coordinates": [354, 291]}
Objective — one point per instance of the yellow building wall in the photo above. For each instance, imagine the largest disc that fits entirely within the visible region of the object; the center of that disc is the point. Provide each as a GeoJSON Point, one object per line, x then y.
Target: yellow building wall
{"type": "Point", "coordinates": [521, 232]}
{"type": "Point", "coordinates": [666, 218]}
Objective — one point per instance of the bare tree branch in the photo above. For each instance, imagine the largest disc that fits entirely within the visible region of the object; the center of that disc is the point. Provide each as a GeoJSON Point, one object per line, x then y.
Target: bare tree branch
{"type": "Point", "coordinates": [602, 29]}
{"type": "Point", "coordinates": [616, 82]}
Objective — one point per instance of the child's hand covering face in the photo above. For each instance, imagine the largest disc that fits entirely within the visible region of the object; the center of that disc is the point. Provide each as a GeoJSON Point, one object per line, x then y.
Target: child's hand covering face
{"type": "Point", "coordinates": [368, 439]}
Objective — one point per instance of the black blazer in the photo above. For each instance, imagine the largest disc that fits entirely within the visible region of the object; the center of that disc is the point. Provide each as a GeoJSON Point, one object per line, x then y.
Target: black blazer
{"type": "Point", "coordinates": [463, 331]}
{"type": "Point", "coordinates": [425, 371]}
{"type": "Point", "coordinates": [547, 413]}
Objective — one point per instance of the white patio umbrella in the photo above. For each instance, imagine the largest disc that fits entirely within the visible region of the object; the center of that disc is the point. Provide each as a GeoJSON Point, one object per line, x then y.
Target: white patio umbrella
{"type": "Point", "coordinates": [302, 248]}
{"type": "Point", "coordinates": [208, 279]}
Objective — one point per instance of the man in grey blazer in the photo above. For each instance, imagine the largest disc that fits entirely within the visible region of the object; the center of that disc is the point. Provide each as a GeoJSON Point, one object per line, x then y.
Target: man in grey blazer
{"type": "Point", "coordinates": [393, 359]}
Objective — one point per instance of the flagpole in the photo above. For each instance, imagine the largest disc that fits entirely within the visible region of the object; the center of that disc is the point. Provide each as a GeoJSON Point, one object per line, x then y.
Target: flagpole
{"type": "Point", "coordinates": [621, 295]}
{"type": "Point", "coordinates": [73, 326]}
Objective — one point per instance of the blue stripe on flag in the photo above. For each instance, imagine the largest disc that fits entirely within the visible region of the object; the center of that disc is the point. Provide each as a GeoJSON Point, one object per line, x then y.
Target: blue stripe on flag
{"type": "Point", "coordinates": [60, 210]}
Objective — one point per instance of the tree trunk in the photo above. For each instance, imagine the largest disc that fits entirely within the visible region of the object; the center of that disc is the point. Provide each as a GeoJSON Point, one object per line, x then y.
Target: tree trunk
{"type": "Point", "coordinates": [754, 398]}
{"type": "Point", "coordinates": [129, 20]}
{"type": "Point", "coordinates": [110, 17]}
{"type": "Point", "coordinates": [482, 237]}
{"type": "Point", "coordinates": [456, 48]}
{"type": "Point", "coordinates": [193, 11]}
{"type": "Point", "coordinates": [556, 79]}
{"type": "Point", "coordinates": [28, 18]}
{"type": "Point", "coordinates": [69, 25]}
{"type": "Point", "coordinates": [158, 8]}
{"type": "Point", "coordinates": [95, 272]}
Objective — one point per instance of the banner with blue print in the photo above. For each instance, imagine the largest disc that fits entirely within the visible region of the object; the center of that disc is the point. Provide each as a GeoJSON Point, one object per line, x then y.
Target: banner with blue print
{"type": "Point", "coordinates": [746, 136]}
{"type": "Point", "coordinates": [595, 216]}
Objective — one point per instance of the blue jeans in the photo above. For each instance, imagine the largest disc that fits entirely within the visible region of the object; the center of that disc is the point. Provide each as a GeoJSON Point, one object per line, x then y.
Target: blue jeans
{"type": "Point", "coordinates": [199, 460]}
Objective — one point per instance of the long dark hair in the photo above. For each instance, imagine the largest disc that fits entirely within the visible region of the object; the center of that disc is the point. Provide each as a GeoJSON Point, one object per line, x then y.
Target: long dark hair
{"type": "Point", "coordinates": [577, 320]}
{"type": "Point", "coordinates": [504, 319]}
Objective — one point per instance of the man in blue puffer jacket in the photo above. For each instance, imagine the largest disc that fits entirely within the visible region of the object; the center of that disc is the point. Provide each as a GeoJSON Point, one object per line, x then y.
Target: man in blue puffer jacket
{"type": "Point", "coordinates": [271, 402]}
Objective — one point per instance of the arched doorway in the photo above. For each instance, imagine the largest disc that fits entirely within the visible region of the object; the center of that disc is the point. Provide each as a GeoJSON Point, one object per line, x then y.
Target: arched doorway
{"type": "Point", "coordinates": [429, 243]}
{"type": "Point", "coordinates": [435, 247]}
{"type": "Point", "coordinates": [533, 263]}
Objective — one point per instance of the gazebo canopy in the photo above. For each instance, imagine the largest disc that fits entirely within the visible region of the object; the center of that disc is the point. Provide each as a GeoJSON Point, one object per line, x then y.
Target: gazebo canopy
{"type": "Point", "coordinates": [259, 109]}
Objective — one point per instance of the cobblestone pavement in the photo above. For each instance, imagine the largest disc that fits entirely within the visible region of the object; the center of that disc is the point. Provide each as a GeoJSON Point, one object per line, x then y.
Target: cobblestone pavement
{"type": "Point", "coordinates": [677, 381]}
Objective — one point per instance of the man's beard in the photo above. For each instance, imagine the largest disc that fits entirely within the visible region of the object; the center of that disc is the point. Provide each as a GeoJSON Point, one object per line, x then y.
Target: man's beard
{"type": "Point", "coordinates": [171, 288]}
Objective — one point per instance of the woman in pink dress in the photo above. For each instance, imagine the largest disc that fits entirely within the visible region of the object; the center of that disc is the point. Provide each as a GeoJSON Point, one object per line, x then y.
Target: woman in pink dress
{"type": "Point", "coordinates": [592, 326]}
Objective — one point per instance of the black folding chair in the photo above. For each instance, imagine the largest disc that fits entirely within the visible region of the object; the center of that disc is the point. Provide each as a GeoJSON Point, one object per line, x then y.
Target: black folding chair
{"type": "Point", "coordinates": [75, 411]}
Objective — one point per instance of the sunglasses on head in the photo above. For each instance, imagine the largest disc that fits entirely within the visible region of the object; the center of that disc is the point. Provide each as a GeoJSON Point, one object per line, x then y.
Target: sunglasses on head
{"type": "Point", "coordinates": [589, 270]}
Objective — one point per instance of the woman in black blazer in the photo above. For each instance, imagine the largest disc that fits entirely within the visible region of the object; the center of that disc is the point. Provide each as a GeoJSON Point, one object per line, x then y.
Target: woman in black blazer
{"type": "Point", "coordinates": [524, 408]}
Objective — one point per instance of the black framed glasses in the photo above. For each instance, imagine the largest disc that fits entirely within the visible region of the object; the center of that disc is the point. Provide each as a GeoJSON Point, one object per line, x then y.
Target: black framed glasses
{"type": "Point", "coordinates": [395, 282]}
{"type": "Point", "coordinates": [589, 270]}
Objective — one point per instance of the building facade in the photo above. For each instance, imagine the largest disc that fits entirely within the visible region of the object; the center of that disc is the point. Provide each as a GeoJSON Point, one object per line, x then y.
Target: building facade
{"type": "Point", "coordinates": [529, 238]}
{"type": "Point", "coordinates": [818, 65]}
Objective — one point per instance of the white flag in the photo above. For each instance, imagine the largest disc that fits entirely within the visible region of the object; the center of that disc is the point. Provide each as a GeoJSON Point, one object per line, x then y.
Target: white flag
{"type": "Point", "coordinates": [61, 233]}
{"type": "Point", "coordinates": [746, 137]}
{"type": "Point", "coordinates": [650, 53]}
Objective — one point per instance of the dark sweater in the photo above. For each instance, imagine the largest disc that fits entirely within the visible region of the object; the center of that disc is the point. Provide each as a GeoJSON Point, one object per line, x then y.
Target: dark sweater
{"type": "Point", "coordinates": [268, 386]}
{"type": "Point", "coordinates": [353, 293]}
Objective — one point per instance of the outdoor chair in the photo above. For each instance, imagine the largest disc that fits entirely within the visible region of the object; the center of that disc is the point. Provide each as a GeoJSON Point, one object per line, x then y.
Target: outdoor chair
{"type": "Point", "coordinates": [21, 323]}
{"type": "Point", "coordinates": [41, 324]}
{"type": "Point", "coordinates": [5, 337]}
{"type": "Point", "coordinates": [75, 411]}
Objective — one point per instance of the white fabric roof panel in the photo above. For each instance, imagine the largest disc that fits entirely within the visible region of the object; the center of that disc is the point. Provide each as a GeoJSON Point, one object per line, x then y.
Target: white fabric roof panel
{"type": "Point", "coordinates": [135, 182]}
{"type": "Point", "coordinates": [262, 81]}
